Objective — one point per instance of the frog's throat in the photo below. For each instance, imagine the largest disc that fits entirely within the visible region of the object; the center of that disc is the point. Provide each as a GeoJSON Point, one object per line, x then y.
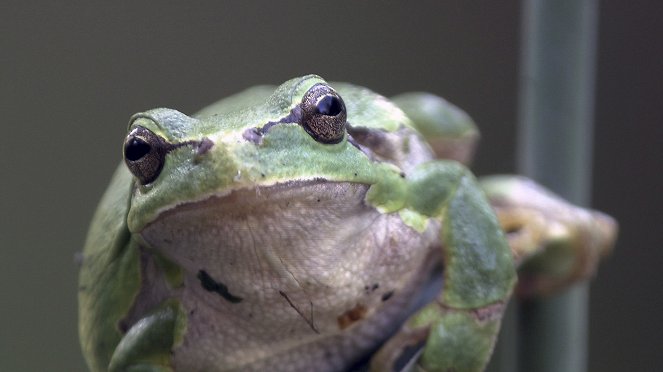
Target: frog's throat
{"type": "Point", "coordinates": [261, 213]}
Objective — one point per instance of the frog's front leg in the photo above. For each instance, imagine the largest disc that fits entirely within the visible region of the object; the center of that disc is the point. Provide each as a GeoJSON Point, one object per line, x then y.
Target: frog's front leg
{"type": "Point", "coordinates": [459, 328]}
{"type": "Point", "coordinates": [148, 344]}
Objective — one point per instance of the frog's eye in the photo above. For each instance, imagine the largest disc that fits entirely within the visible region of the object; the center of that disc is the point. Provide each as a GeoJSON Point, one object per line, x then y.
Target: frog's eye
{"type": "Point", "coordinates": [144, 154]}
{"type": "Point", "coordinates": [323, 114]}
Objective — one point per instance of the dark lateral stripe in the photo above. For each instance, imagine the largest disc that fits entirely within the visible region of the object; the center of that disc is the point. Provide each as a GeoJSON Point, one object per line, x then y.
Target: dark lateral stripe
{"type": "Point", "coordinates": [211, 285]}
{"type": "Point", "coordinates": [255, 134]}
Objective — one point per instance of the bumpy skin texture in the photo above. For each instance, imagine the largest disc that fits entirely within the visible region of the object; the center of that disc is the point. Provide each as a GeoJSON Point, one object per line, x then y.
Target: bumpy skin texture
{"type": "Point", "coordinates": [249, 238]}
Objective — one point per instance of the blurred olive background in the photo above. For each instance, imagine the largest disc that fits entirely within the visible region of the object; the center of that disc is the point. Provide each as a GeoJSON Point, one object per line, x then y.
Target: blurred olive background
{"type": "Point", "coordinates": [71, 74]}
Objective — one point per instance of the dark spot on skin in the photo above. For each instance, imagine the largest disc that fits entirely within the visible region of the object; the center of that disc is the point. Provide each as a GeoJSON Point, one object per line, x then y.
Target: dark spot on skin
{"type": "Point", "coordinates": [211, 285]}
{"type": "Point", "coordinates": [513, 229]}
{"type": "Point", "coordinates": [489, 313]}
{"type": "Point", "coordinates": [262, 175]}
{"type": "Point", "coordinates": [351, 316]}
{"type": "Point", "coordinates": [204, 146]}
{"type": "Point", "coordinates": [253, 135]}
{"type": "Point", "coordinates": [355, 174]}
{"type": "Point", "coordinates": [402, 175]}
{"type": "Point", "coordinates": [371, 288]}
{"type": "Point", "coordinates": [318, 200]}
{"type": "Point", "coordinates": [387, 295]}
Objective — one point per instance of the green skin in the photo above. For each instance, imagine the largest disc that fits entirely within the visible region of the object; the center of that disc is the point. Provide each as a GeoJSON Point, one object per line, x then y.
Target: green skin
{"type": "Point", "coordinates": [236, 248]}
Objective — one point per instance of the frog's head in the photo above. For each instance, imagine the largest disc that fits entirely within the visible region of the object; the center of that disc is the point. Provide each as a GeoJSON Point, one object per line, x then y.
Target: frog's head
{"type": "Point", "coordinates": [265, 199]}
{"type": "Point", "coordinates": [298, 134]}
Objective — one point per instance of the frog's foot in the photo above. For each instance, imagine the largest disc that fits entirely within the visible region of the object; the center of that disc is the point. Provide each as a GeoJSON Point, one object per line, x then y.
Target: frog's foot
{"type": "Point", "coordinates": [147, 346]}
{"type": "Point", "coordinates": [554, 243]}
{"type": "Point", "coordinates": [439, 338]}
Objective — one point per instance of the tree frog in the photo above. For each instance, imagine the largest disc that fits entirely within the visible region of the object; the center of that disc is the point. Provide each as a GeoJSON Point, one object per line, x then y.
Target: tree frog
{"type": "Point", "coordinates": [315, 226]}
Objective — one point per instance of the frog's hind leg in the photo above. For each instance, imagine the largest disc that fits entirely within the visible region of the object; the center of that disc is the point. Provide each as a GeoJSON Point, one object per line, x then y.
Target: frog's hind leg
{"type": "Point", "coordinates": [554, 242]}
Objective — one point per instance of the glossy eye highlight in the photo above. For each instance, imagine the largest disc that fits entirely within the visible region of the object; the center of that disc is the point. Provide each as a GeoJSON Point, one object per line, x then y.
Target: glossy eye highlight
{"type": "Point", "coordinates": [136, 148]}
{"type": "Point", "coordinates": [323, 114]}
{"type": "Point", "coordinates": [145, 154]}
{"type": "Point", "coordinates": [329, 105]}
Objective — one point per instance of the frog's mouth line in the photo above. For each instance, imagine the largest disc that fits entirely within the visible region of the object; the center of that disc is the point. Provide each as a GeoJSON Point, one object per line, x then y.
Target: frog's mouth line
{"type": "Point", "coordinates": [295, 190]}
{"type": "Point", "coordinates": [276, 214]}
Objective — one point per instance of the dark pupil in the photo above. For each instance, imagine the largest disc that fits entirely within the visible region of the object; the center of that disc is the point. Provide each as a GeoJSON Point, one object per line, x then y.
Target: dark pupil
{"type": "Point", "coordinates": [329, 105]}
{"type": "Point", "coordinates": [136, 149]}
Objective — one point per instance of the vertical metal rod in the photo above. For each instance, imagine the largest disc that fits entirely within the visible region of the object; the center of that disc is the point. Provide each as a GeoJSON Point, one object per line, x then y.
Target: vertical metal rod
{"type": "Point", "coordinates": [505, 355]}
{"type": "Point", "coordinates": [555, 144]}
